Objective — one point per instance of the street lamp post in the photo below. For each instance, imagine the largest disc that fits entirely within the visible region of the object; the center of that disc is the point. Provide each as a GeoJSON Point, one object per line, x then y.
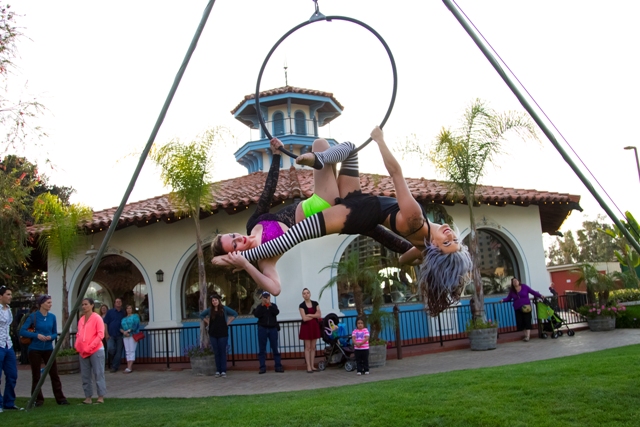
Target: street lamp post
{"type": "Point", "coordinates": [637, 161]}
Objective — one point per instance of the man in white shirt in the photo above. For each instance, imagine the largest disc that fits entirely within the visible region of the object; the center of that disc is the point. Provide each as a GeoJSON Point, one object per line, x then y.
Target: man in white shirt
{"type": "Point", "coordinates": [8, 362]}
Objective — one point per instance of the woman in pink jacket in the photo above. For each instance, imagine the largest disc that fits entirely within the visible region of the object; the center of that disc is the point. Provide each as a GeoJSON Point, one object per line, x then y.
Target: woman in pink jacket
{"type": "Point", "coordinates": [91, 350]}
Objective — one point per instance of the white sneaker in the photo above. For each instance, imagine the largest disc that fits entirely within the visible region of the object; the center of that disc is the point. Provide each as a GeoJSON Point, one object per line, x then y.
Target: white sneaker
{"type": "Point", "coordinates": [127, 371]}
{"type": "Point", "coordinates": [359, 373]}
{"type": "Point", "coordinates": [217, 375]}
{"type": "Point", "coordinates": [366, 373]}
{"type": "Point", "coordinates": [223, 375]}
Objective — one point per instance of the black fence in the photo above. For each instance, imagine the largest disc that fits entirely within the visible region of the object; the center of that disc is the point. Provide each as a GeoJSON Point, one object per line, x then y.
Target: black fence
{"type": "Point", "coordinates": [402, 328]}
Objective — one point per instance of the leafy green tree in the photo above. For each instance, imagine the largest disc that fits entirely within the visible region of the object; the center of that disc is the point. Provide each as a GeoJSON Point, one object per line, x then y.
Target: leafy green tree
{"type": "Point", "coordinates": [20, 184]}
{"type": "Point", "coordinates": [626, 254]}
{"type": "Point", "coordinates": [186, 168]}
{"type": "Point", "coordinates": [15, 187]}
{"type": "Point", "coordinates": [564, 250]}
{"type": "Point", "coordinates": [463, 154]}
{"type": "Point", "coordinates": [60, 237]}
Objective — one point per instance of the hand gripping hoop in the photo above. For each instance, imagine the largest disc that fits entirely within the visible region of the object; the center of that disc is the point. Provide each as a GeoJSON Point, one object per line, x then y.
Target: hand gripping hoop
{"type": "Point", "coordinates": [317, 16]}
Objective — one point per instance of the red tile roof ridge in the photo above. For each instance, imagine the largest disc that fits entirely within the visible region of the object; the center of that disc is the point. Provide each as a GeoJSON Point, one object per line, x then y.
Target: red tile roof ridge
{"type": "Point", "coordinates": [236, 194]}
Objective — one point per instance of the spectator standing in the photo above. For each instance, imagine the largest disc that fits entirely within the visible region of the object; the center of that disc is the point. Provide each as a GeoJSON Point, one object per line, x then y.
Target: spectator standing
{"type": "Point", "coordinates": [115, 344]}
{"type": "Point", "coordinates": [91, 352]}
{"type": "Point", "coordinates": [360, 338]}
{"type": "Point", "coordinates": [310, 328]}
{"type": "Point", "coordinates": [268, 329]}
{"type": "Point", "coordinates": [130, 325]}
{"type": "Point", "coordinates": [46, 331]}
{"type": "Point", "coordinates": [218, 317]}
{"type": "Point", "coordinates": [519, 294]}
{"type": "Point", "coordinates": [8, 362]}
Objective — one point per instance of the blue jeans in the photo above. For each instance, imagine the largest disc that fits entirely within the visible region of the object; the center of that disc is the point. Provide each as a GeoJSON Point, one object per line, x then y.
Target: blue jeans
{"type": "Point", "coordinates": [9, 365]}
{"type": "Point", "coordinates": [115, 346]}
{"type": "Point", "coordinates": [270, 334]}
{"type": "Point", "coordinates": [219, 347]}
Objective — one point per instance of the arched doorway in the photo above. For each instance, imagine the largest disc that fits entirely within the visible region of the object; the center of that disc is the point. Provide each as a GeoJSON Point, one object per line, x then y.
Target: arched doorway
{"type": "Point", "coordinates": [118, 277]}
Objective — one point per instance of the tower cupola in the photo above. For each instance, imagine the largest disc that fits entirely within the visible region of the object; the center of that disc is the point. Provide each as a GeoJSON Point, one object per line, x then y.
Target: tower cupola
{"type": "Point", "coordinates": [291, 114]}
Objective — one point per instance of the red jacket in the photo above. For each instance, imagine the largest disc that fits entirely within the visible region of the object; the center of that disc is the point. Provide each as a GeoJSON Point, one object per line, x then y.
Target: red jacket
{"type": "Point", "coordinates": [90, 334]}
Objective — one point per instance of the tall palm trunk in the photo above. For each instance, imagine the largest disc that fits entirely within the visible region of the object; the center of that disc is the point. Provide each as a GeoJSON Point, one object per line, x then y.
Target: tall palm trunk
{"type": "Point", "coordinates": [65, 306]}
{"type": "Point", "coordinates": [357, 299]}
{"type": "Point", "coordinates": [477, 307]}
{"type": "Point", "coordinates": [202, 281]}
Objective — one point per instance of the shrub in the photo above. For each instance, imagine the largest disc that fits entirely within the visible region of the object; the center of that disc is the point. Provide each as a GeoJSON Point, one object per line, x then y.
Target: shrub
{"type": "Point", "coordinates": [591, 311]}
{"type": "Point", "coordinates": [197, 351]}
{"type": "Point", "coordinates": [630, 318]}
{"type": "Point", "coordinates": [67, 352]}
{"type": "Point", "coordinates": [624, 295]}
{"type": "Point", "coordinates": [481, 324]}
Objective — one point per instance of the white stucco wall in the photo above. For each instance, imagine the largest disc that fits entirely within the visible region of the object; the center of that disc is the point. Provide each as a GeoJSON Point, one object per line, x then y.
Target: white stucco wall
{"type": "Point", "coordinates": [170, 247]}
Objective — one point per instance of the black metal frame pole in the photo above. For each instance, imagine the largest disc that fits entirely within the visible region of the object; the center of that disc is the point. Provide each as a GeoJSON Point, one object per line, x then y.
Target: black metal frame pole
{"type": "Point", "coordinates": [118, 213]}
{"type": "Point", "coordinates": [525, 103]}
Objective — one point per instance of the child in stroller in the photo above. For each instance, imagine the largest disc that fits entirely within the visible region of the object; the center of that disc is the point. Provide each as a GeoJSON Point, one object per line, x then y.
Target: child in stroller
{"type": "Point", "coordinates": [549, 321]}
{"type": "Point", "coordinates": [338, 350]}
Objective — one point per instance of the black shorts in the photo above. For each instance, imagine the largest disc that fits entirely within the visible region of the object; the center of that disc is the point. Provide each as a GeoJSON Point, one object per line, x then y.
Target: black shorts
{"type": "Point", "coordinates": [523, 320]}
{"type": "Point", "coordinates": [364, 214]}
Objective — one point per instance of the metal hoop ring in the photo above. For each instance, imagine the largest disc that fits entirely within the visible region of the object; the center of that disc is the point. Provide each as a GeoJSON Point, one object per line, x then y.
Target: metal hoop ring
{"type": "Point", "coordinates": [294, 29]}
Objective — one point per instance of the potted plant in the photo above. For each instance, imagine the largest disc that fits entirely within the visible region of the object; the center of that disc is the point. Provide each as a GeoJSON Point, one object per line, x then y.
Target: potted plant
{"type": "Point", "coordinates": [483, 335]}
{"type": "Point", "coordinates": [68, 361]}
{"type": "Point", "coordinates": [202, 359]}
{"type": "Point", "coordinates": [602, 317]}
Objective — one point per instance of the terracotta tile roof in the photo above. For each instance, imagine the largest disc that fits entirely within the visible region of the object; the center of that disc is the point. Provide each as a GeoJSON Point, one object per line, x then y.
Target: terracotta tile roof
{"type": "Point", "coordinates": [235, 195]}
{"type": "Point", "coordinates": [287, 89]}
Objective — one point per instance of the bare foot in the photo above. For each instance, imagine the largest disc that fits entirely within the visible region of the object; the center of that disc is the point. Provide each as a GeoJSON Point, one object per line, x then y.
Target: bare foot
{"type": "Point", "coordinates": [87, 401]}
{"type": "Point", "coordinates": [306, 159]}
{"type": "Point", "coordinates": [100, 400]}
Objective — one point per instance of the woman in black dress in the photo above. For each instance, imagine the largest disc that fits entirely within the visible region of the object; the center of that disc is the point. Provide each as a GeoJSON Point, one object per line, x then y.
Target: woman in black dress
{"type": "Point", "coordinates": [310, 328]}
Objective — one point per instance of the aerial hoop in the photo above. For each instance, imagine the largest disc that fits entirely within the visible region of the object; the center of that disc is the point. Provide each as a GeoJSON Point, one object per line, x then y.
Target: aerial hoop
{"type": "Point", "coordinates": [316, 17]}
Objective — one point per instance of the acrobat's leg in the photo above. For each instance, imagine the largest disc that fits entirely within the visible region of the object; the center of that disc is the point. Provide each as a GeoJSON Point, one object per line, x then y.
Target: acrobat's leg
{"type": "Point", "coordinates": [332, 155]}
{"type": "Point", "coordinates": [324, 179]}
{"type": "Point", "coordinates": [349, 176]}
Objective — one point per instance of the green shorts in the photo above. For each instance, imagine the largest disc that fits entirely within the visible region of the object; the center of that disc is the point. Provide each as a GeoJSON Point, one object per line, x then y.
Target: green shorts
{"type": "Point", "coordinates": [314, 205]}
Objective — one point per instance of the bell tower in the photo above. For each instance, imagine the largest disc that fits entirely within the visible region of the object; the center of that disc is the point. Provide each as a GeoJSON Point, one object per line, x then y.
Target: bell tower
{"type": "Point", "coordinates": [294, 115]}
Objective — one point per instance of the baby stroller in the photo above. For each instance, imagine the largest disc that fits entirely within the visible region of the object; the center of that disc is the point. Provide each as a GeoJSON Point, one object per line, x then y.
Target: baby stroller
{"type": "Point", "coordinates": [338, 350]}
{"type": "Point", "coordinates": [549, 321]}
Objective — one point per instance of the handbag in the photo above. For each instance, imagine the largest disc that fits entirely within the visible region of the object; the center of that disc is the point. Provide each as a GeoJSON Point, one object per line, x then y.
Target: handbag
{"type": "Point", "coordinates": [138, 336]}
{"type": "Point", "coordinates": [526, 308]}
{"type": "Point", "coordinates": [32, 328]}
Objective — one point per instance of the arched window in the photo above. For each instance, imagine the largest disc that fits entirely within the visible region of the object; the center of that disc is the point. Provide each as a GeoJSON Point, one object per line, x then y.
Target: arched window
{"type": "Point", "coordinates": [238, 290]}
{"type": "Point", "coordinates": [400, 285]}
{"type": "Point", "coordinates": [278, 123]}
{"type": "Point", "coordinates": [300, 123]}
{"type": "Point", "coordinates": [497, 261]}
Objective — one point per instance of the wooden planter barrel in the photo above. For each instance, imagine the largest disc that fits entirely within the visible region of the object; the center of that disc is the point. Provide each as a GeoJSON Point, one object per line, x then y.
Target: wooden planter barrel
{"type": "Point", "coordinates": [601, 324]}
{"type": "Point", "coordinates": [483, 339]}
{"type": "Point", "coordinates": [205, 365]}
{"type": "Point", "coordinates": [68, 364]}
{"type": "Point", "coordinates": [377, 356]}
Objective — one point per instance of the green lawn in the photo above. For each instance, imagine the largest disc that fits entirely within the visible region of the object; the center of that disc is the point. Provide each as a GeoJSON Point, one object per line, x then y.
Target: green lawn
{"type": "Point", "coordinates": [594, 389]}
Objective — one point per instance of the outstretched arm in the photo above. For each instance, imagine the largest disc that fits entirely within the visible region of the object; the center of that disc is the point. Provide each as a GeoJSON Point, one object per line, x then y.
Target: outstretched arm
{"type": "Point", "coordinates": [409, 208]}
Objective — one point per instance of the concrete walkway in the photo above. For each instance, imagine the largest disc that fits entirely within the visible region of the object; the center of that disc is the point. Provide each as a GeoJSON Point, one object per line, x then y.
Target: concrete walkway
{"type": "Point", "coordinates": [147, 383]}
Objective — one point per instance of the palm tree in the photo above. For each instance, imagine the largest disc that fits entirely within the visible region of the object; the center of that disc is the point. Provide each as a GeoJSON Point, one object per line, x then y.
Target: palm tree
{"type": "Point", "coordinates": [60, 237]}
{"type": "Point", "coordinates": [185, 168]}
{"type": "Point", "coordinates": [364, 277]}
{"type": "Point", "coordinates": [627, 256]}
{"type": "Point", "coordinates": [462, 156]}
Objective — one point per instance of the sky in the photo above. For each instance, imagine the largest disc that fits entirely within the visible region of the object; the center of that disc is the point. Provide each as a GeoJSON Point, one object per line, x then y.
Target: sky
{"type": "Point", "coordinates": [103, 71]}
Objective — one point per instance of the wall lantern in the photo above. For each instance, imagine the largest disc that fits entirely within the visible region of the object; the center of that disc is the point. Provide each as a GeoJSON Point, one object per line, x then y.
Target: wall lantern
{"type": "Point", "coordinates": [160, 276]}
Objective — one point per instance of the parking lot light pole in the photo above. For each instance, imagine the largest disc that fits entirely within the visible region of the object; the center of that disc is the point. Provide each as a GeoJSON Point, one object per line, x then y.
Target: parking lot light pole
{"type": "Point", "coordinates": [635, 150]}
